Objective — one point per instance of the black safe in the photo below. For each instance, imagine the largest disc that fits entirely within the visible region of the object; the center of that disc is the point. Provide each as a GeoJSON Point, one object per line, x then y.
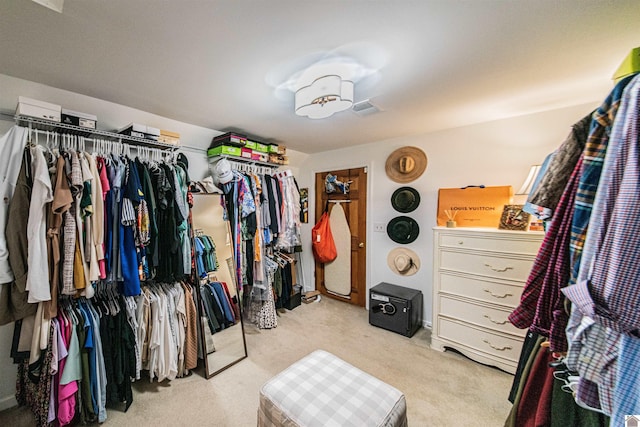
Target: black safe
{"type": "Point", "coordinates": [395, 308]}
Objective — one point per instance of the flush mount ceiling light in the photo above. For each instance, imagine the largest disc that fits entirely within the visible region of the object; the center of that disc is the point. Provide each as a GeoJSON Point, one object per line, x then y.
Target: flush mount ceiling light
{"type": "Point", "coordinates": [325, 96]}
{"type": "Point", "coordinates": [51, 4]}
{"type": "Point", "coordinates": [323, 83]}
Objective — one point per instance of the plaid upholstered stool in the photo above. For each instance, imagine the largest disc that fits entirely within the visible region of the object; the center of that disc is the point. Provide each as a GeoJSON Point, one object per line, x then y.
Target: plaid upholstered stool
{"type": "Point", "coordinates": [323, 390]}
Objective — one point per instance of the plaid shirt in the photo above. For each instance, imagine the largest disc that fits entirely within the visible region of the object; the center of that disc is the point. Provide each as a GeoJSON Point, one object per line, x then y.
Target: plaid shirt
{"type": "Point", "coordinates": [542, 304]}
{"type": "Point", "coordinates": [606, 289]}
{"type": "Point", "coordinates": [594, 154]}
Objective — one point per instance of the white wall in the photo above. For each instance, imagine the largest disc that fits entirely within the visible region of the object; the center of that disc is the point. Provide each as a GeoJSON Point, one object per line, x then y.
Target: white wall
{"type": "Point", "coordinates": [494, 153]}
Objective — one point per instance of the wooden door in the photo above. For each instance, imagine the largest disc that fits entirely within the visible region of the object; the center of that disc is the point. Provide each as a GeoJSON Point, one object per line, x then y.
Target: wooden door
{"type": "Point", "coordinates": [355, 207]}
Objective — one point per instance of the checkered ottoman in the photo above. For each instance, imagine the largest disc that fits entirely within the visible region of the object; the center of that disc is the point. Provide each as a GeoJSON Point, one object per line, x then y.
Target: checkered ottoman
{"type": "Point", "coordinates": [323, 390]}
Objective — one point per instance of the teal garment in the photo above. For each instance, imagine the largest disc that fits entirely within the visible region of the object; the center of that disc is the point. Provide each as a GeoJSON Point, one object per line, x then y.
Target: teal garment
{"type": "Point", "coordinates": [199, 250]}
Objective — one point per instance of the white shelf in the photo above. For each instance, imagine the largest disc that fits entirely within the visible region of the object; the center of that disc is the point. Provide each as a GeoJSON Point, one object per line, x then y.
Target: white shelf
{"type": "Point", "coordinates": [48, 125]}
{"type": "Point", "coordinates": [244, 160]}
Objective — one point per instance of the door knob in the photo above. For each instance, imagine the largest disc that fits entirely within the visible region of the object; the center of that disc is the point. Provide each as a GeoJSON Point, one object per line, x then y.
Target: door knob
{"type": "Point", "coordinates": [361, 245]}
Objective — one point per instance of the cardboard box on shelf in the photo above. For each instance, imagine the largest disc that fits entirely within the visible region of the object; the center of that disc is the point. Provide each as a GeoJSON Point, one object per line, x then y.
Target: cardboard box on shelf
{"type": "Point", "coordinates": [76, 118]}
{"type": "Point", "coordinates": [152, 133]}
{"type": "Point", "coordinates": [224, 150]}
{"type": "Point", "coordinates": [263, 148]}
{"type": "Point", "coordinates": [278, 159]}
{"type": "Point", "coordinates": [246, 153]}
{"type": "Point", "coordinates": [40, 109]}
{"type": "Point", "coordinates": [133, 129]}
{"type": "Point", "coordinates": [229, 138]}
{"type": "Point", "coordinates": [169, 137]}
{"type": "Point", "coordinates": [277, 149]}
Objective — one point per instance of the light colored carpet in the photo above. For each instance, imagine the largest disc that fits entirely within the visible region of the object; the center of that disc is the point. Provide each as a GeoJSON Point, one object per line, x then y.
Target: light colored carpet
{"type": "Point", "coordinates": [442, 389]}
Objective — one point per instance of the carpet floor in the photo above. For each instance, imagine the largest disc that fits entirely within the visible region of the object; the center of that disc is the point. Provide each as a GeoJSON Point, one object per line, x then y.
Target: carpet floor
{"type": "Point", "coordinates": [441, 389]}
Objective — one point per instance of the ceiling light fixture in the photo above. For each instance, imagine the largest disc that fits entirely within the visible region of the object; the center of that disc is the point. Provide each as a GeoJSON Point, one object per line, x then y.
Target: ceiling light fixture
{"type": "Point", "coordinates": [324, 97]}
{"type": "Point", "coordinates": [55, 5]}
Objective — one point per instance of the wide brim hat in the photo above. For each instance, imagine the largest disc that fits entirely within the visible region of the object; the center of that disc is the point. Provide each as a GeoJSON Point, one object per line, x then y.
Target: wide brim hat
{"type": "Point", "coordinates": [406, 164]}
{"type": "Point", "coordinates": [405, 199]}
{"type": "Point", "coordinates": [403, 229]}
{"type": "Point", "coordinates": [403, 261]}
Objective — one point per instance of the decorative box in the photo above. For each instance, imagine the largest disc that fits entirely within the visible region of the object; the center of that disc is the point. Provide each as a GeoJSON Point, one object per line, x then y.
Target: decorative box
{"type": "Point", "coordinates": [263, 148]}
{"type": "Point", "coordinates": [40, 109]}
{"type": "Point", "coordinates": [251, 144]}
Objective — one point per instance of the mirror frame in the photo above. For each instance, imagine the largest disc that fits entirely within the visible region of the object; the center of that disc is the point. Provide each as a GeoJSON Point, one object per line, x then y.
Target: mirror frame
{"type": "Point", "coordinates": [201, 326]}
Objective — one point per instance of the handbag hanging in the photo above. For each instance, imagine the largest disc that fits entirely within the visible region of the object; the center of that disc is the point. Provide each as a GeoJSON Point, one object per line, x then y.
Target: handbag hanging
{"type": "Point", "coordinates": [322, 244]}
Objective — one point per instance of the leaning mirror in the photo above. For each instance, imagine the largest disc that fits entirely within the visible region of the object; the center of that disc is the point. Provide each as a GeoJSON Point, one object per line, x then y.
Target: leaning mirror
{"type": "Point", "coordinates": [221, 327]}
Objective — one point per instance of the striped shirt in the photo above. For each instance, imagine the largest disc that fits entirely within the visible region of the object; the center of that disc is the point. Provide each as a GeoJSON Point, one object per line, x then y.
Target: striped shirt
{"type": "Point", "coordinates": [606, 289]}
{"type": "Point", "coordinates": [594, 154]}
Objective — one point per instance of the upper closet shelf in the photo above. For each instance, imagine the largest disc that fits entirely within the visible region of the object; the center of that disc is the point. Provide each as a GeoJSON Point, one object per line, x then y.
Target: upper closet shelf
{"type": "Point", "coordinates": [242, 163]}
{"type": "Point", "coordinates": [48, 125]}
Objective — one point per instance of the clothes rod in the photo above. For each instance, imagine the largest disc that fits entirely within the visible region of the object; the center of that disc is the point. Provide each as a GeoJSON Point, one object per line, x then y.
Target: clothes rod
{"type": "Point", "coordinates": [339, 201]}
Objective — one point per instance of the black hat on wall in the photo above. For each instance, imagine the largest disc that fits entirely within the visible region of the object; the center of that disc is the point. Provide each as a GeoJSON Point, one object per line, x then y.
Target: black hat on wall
{"type": "Point", "coordinates": [405, 199]}
{"type": "Point", "coordinates": [403, 229]}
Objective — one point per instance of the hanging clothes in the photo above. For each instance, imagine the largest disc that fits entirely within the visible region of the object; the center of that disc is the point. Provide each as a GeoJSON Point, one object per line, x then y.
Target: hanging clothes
{"type": "Point", "coordinates": [602, 330]}
{"type": "Point", "coordinates": [80, 234]}
{"type": "Point", "coordinates": [12, 145]}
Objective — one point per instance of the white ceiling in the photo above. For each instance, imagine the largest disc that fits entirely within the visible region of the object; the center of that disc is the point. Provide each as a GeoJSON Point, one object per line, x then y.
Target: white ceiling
{"type": "Point", "coordinates": [443, 63]}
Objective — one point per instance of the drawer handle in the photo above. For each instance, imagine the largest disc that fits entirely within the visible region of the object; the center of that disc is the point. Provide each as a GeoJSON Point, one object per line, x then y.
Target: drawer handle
{"type": "Point", "coordinates": [497, 296]}
{"type": "Point", "coordinates": [506, 347]}
{"type": "Point", "coordinates": [461, 242]}
{"type": "Point", "coordinates": [495, 321]}
{"type": "Point", "coordinates": [499, 270]}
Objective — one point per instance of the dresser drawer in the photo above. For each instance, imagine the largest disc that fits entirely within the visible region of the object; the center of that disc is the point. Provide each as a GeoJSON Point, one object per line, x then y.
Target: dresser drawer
{"type": "Point", "coordinates": [485, 290]}
{"type": "Point", "coordinates": [496, 242]}
{"type": "Point", "coordinates": [479, 339]}
{"type": "Point", "coordinates": [480, 315]}
{"type": "Point", "coordinates": [486, 265]}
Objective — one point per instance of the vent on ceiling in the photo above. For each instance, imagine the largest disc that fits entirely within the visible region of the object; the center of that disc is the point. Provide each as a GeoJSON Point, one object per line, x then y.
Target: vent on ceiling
{"type": "Point", "coordinates": [364, 108]}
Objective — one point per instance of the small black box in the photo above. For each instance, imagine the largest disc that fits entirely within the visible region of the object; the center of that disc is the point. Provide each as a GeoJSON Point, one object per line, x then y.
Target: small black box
{"type": "Point", "coordinates": [395, 308]}
{"type": "Point", "coordinates": [295, 298]}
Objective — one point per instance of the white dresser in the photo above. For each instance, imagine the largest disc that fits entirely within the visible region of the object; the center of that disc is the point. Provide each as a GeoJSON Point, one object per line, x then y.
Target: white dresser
{"type": "Point", "coordinates": [478, 277]}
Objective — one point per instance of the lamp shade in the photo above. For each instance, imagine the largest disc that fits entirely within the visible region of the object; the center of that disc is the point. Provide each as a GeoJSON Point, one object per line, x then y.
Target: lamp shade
{"type": "Point", "coordinates": [323, 97]}
{"type": "Point", "coordinates": [527, 185]}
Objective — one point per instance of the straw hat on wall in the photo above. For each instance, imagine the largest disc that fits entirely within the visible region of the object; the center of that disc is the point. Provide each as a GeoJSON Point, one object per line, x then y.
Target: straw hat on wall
{"type": "Point", "coordinates": [403, 261]}
{"type": "Point", "coordinates": [406, 164]}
